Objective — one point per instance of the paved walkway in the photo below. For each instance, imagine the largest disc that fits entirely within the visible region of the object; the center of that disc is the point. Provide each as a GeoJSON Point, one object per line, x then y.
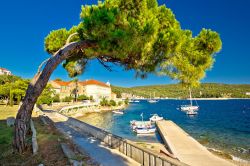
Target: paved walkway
{"type": "Point", "coordinates": [186, 148]}
{"type": "Point", "coordinates": [97, 150]}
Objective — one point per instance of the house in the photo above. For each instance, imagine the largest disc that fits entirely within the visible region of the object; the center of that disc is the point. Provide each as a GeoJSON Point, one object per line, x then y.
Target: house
{"type": "Point", "coordinates": [4, 71]}
{"type": "Point", "coordinates": [247, 93]}
{"type": "Point", "coordinates": [61, 87]}
{"type": "Point", "coordinates": [94, 88]}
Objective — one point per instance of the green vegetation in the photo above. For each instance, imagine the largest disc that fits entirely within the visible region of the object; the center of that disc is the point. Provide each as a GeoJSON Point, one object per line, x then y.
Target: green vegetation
{"type": "Point", "coordinates": [206, 90]}
{"type": "Point", "coordinates": [112, 103]}
{"type": "Point", "coordinates": [105, 102]}
{"type": "Point", "coordinates": [49, 152]}
{"type": "Point", "coordinates": [13, 88]}
{"type": "Point", "coordinates": [139, 35]}
{"type": "Point", "coordinates": [56, 98]}
{"type": "Point", "coordinates": [67, 99]}
{"type": "Point", "coordinates": [83, 97]}
{"type": "Point", "coordinates": [135, 34]}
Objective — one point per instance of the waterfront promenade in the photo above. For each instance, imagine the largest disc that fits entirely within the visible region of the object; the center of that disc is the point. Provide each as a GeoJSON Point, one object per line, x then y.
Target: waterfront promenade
{"type": "Point", "coordinates": [97, 150]}
{"type": "Point", "coordinates": [186, 148]}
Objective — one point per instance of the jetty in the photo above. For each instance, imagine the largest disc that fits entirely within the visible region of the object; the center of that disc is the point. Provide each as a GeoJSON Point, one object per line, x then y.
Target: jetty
{"type": "Point", "coordinates": [185, 148]}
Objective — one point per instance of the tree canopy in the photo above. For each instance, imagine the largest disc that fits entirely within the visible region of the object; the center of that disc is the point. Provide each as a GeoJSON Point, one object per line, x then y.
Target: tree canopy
{"type": "Point", "coordinates": [139, 35]}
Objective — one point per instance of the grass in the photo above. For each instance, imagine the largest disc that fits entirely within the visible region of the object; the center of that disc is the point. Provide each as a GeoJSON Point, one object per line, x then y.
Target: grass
{"type": "Point", "coordinates": [49, 153]}
{"type": "Point", "coordinates": [48, 138]}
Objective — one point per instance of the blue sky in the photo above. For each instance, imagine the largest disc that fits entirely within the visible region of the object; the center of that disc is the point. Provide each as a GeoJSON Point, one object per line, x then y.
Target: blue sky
{"type": "Point", "coordinates": [25, 24]}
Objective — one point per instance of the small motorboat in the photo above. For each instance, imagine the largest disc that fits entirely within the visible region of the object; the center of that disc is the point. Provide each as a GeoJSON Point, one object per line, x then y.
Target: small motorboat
{"type": "Point", "coordinates": [145, 130]}
{"type": "Point", "coordinates": [118, 112]}
{"type": "Point", "coordinates": [136, 101]}
{"type": "Point", "coordinates": [155, 118]}
{"type": "Point", "coordinates": [139, 124]}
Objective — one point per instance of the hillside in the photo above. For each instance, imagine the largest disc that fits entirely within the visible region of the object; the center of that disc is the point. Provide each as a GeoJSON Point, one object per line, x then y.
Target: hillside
{"type": "Point", "coordinates": [206, 90]}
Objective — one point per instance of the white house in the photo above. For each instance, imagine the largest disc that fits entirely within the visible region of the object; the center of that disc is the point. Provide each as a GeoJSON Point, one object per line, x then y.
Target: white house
{"type": "Point", "coordinates": [94, 88]}
{"type": "Point", "coordinates": [4, 71]}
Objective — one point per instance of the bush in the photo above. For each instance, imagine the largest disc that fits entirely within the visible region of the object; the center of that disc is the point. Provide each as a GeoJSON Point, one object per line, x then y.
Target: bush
{"type": "Point", "coordinates": [82, 97]}
{"type": "Point", "coordinates": [104, 102]}
{"type": "Point", "coordinates": [112, 103]}
{"type": "Point", "coordinates": [44, 100]}
{"type": "Point", "coordinates": [126, 101]}
{"type": "Point", "coordinates": [56, 98]}
{"type": "Point", "coordinates": [67, 99]}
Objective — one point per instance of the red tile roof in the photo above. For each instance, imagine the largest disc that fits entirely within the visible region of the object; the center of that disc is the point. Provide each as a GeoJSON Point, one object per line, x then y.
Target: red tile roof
{"type": "Point", "coordinates": [62, 83]}
{"type": "Point", "coordinates": [93, 82]}
{"type": "Point", "coordinates": [3, 69]}
{"type": "Point", "coordinates": [87, 82]}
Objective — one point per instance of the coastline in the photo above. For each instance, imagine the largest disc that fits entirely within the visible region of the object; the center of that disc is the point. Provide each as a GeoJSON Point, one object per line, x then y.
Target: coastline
{"type": "Point", "coordinates": [98, 109]}
{"type": "Point", "coordinates": [152, 146]}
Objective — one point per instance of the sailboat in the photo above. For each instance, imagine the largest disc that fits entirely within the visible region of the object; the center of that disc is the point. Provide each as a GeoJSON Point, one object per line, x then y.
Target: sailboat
{"type": "Point", "coordinates": [152, 100]}
{"type": "Point", "coordinates": [190, 107]}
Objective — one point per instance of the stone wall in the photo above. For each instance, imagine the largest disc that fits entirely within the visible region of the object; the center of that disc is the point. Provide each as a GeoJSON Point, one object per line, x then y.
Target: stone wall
{"type": "Point", "coordinates": [139, 154]}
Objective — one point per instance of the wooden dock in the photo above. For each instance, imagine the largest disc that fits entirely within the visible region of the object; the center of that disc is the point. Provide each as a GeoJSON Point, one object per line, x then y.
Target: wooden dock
{"type": "Point", "coordinates": [186, 148]}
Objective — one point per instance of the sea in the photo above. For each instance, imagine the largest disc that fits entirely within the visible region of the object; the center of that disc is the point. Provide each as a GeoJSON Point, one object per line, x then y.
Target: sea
{"type": "Point", "coordinates": [223, 125]}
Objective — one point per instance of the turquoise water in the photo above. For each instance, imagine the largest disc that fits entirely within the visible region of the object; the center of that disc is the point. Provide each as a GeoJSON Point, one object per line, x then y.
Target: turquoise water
{"type": "Point", "coordinates": [220, 124]}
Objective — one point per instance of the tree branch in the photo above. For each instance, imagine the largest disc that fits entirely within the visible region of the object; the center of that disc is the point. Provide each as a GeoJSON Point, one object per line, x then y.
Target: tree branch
{"type": "Point", "coordinates": [70, 37]}
{"type": "Point", "coordinates": [104, 65]}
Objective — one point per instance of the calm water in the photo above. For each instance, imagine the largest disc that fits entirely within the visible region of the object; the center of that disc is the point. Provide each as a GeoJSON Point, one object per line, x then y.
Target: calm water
{"type": "Point", "coordinates": [220, 124]}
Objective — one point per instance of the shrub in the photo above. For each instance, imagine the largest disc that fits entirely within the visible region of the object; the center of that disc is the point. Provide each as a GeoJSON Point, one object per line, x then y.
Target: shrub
{"type": "Point", "coordinates": [44, 100]}
{"type": "Point", "coordinates": [56, 98]}
{"type": "Point", "coordinates": [104, 102]}
{"type": "Point", "coordinates": [82, 97]}
{"type": "Point", "coordinates": [67, 99]}
{"type": "Point", "coordinates": [126, 101]}
{"type": "Point", "coordinates": [112, 103]}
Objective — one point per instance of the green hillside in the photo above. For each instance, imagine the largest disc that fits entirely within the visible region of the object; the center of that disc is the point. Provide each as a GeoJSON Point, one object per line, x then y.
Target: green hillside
{"type": "Point", "coordinates": [206, 90]}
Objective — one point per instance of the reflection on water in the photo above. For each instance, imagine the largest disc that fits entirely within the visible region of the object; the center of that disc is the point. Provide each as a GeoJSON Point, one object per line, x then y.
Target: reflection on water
{"type": "Point", "coordinates": [101, 120]}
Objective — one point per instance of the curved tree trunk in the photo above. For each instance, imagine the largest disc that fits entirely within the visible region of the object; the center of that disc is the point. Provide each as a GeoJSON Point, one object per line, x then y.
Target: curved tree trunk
{"type": "Point", "coordinates": [36, 87]}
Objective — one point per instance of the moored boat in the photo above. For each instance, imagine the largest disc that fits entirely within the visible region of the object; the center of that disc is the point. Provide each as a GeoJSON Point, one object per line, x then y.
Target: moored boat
{"type": "Point", "coordinates": [145, 130]}
{"type": "Point", "coordinates": [151, 100]}
{"type": "Point", "coordinates": [155, 118]}
{"type": "Point", "coordinates": [190, 107]}
{"type": "Point", "coordinates": [118, 112]}
{"type": "Point", "coordinates": [191, 112]}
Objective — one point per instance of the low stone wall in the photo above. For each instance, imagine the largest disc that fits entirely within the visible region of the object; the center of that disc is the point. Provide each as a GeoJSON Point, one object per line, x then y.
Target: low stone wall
{"type": "Point", "coordinates": [139, 154]}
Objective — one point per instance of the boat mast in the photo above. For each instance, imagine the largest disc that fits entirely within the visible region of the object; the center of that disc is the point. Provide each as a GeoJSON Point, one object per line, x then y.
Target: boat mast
{"type": "Point", "coordinates": [190, 96]}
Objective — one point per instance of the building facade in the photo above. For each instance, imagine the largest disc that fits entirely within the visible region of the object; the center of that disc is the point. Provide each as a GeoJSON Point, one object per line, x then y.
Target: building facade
{"type": "Point", "coordinates": [94, 88]}
{"type": "Point", "coordinates": [4, 71]}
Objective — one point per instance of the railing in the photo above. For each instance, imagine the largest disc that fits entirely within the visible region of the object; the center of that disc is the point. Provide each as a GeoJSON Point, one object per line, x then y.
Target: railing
{"type": "Point", "coordinates": [130, 149]}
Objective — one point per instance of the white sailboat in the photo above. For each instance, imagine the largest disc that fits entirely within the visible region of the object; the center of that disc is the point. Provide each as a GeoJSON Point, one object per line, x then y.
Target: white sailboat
{"type": "Point", "coordinates": [190, 107]}
{"type": "Point", "coordinates": [152, 100]}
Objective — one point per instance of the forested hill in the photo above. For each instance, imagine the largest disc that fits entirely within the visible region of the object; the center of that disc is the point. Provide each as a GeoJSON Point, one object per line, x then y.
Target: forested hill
{"type": "Point", "coordinates": [206, 90]}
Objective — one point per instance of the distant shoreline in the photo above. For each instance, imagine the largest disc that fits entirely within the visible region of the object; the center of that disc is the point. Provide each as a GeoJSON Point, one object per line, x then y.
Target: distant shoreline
{"type": "Point", "coordinates": [219, 98]}
{"type": "Point", "coordinates": [199, 99]}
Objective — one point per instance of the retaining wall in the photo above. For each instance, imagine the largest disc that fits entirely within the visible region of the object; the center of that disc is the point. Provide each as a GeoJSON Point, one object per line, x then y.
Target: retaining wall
{"type": "Point", "coordinates": [142, 156]}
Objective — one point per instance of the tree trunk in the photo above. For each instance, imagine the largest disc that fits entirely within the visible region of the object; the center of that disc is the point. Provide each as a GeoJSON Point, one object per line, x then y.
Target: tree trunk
{"type": "Point", "coordinates": [35, 88]}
